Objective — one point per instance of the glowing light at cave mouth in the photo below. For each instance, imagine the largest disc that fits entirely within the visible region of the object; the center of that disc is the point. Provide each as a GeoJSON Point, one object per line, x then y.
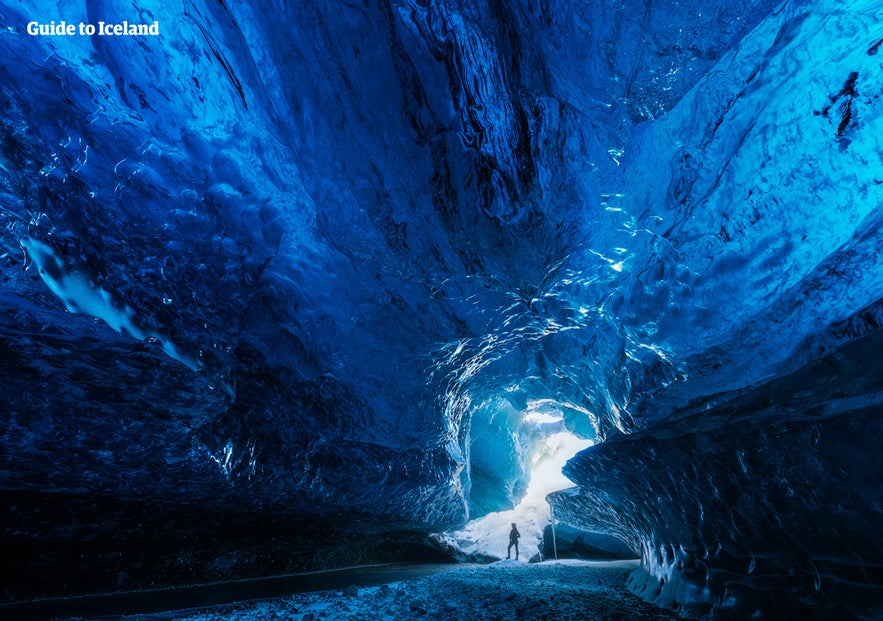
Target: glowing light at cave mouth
{"type": "Point", "coordinates": [487, 536]}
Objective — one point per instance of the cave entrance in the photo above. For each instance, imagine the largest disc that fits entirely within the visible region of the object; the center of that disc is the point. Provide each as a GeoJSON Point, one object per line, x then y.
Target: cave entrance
{"type": "Point", "coordinates": [516, 457]}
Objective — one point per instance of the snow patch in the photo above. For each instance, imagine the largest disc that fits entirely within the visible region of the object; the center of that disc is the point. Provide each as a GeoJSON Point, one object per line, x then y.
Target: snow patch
{"type": "Point", "coordinates": [80, 294]}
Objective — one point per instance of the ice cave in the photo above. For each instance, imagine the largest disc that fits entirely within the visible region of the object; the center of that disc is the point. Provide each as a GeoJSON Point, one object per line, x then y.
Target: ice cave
{"type": "Point", "coordinates": [291, 286]}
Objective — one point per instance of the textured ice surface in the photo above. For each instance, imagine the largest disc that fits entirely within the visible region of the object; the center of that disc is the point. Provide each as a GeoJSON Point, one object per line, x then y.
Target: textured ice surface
{"type": "Point", "coordinates": [315, 261]}
{"type": "Point", "coordinates": [767, 502]}
{"type": "Point", "coordinates": [748, 485]}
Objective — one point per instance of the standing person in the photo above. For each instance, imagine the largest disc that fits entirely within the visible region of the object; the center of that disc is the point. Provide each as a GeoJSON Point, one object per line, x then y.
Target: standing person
{"type": "Point", "coordinates": [513, 541]}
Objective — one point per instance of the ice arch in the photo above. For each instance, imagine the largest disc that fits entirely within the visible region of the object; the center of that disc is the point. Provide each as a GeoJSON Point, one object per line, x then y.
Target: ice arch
{"type": "Point", "coordinates": [372, 232]}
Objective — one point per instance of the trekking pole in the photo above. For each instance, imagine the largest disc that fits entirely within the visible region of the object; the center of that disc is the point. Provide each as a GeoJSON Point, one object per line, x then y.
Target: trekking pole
{"type": "Point", "coordinates": [552, 516]}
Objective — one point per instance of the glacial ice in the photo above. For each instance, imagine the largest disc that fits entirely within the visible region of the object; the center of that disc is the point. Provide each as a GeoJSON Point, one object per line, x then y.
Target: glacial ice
{"type": "Point", "coordinates": [386, 240]}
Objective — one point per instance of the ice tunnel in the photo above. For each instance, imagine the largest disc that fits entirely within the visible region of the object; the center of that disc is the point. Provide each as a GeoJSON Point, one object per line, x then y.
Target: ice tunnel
{"type": "Point", "coordinates": [293, 285]}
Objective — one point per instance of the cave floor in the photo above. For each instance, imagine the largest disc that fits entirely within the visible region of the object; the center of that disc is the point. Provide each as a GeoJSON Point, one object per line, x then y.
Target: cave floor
{"type": "Point", "coordinates": [555, 590]}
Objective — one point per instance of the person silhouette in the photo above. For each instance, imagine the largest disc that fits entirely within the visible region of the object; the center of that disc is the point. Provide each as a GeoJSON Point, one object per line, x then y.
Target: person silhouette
{"type": "Point", "coordinates": [513, 541]}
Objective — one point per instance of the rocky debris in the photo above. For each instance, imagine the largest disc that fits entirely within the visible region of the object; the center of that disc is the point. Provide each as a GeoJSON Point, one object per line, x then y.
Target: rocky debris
{"type": "Point", "coordinates": [566, 590]}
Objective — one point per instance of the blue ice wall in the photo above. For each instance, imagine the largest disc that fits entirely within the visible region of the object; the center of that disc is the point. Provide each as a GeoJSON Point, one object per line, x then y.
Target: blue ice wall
{"type": "Point", "coordinates": [749, 484]}
{"type": "Point", "coordinates": [317, 259]}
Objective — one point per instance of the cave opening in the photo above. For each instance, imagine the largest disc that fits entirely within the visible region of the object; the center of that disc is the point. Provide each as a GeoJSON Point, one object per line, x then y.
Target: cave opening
{"type": "Point", "coordinates": [540, 446]}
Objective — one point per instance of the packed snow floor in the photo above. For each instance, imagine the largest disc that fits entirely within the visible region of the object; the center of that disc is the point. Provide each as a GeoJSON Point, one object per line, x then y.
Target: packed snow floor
{"type": "Point", "coordinates": [554, 590]}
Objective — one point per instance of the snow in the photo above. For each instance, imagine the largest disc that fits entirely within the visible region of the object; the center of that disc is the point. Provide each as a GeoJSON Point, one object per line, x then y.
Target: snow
{"type": "Point", "coordinates": [80, 295]}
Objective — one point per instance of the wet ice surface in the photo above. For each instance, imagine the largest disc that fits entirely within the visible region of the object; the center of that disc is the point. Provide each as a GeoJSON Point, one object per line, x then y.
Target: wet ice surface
{"type": "Point", "coordinates": [560, 590]}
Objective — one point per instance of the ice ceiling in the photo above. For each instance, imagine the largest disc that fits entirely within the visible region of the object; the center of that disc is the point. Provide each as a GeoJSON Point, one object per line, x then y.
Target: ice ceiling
{"type": "Point", "coordinates": [312, 268]}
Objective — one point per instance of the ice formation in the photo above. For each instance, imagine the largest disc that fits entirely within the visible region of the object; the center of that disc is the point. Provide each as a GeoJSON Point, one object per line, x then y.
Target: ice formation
{"type": "Point", "coordinates": [382, 238]}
